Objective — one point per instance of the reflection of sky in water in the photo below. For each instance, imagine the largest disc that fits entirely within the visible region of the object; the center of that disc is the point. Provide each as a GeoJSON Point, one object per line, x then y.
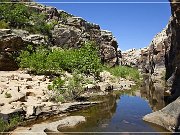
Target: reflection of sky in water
{"type": "Point", "coordinates": [128, 115]}
{"type": "Point", "coordinates": [121, 115]}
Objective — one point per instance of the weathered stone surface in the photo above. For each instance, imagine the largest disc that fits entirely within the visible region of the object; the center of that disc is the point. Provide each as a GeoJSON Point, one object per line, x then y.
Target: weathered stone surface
{"type": "Point", "coordinates": [169, 58]}
{"type": "Point", "coordinates": [69, 32]}
{"type": "Point", "coordinates": [168, 117]}
{"type": "Point", "coordinates": [131, 57]}
{"type": "Point", "coordinates": [40, 129]}
{"type": "Point", "coordinates": [172, 57]}
{"type": "Point", "coordinates": [35, 39]}
{"type": "Point", "coordinates": [13, 41]}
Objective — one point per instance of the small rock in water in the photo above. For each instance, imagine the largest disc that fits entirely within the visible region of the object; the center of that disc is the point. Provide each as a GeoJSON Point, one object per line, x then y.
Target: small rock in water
{"type": "Point", "coordinates": [124, 121]}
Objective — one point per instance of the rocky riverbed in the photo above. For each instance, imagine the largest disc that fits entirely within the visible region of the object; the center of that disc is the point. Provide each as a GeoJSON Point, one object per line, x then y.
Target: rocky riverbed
{"type": "Point", "coordinates": [28, 94]}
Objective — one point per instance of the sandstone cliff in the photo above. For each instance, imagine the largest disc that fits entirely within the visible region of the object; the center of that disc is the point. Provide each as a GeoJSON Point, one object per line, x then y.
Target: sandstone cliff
{"type": "Point", "coordinates": [68, 32]}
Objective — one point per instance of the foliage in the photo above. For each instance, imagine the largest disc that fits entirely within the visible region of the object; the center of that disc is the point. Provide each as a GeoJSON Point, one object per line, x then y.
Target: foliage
{"type": "Point", "coordinates": [74, 87]}
{"type": "Point", "coordinates": [69, 89]}
{"type": "Point", "coordinates": [8, 95]}
{"type": "Point", "coordinates": [39, 24]}
{"type": "Point", "coordinates": [14, 120]}
{"type": "Point", "coordinates": [34, 60]}
{"type": "Point", "coordinates": [3, 124]}
{"type": "Point", "coordinates": [17, 14]}
{"type": "Point", "coordinates": [3, 25]}
{"type": "Point", "coordinates": [85, 60]}
{"type": "Point", "coordinates": [124, 72]}
{"type": "Point", "coordinates": [63, 16]}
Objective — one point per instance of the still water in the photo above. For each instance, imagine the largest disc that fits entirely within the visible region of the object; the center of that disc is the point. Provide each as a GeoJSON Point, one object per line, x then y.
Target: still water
{"type": "Point", "coordinates": [122, 112]}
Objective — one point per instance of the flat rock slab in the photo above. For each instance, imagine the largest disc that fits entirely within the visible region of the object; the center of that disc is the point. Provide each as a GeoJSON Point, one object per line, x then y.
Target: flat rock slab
{"type": "Point", "coordinates": [168, 117]}
{"type": "Point", "coordinates": [39, 129]}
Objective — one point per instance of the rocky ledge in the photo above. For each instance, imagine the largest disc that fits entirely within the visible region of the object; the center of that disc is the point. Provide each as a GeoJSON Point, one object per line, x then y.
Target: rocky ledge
{"type": "Point", "coordinates": [54, 127]}
{"type": "Point", "coordinates": [28, 95]}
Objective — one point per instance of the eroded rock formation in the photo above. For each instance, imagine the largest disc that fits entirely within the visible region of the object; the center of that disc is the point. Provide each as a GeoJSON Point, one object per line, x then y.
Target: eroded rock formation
{"type": "Point", "coordinates": [69, 32]}
{"type": "Point", "coordinates": [169, 117]}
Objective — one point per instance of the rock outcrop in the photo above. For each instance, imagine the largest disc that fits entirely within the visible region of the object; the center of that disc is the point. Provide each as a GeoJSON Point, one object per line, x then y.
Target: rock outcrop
{"type": "Point", "coordinates": [69, 32]}
{"type": "Point", "coordinates": [54, 127]}
{"type": "Point", "coordinates": [172, 56]}
{"type": "Point", "coordinates": [151, 59]}
{"type": "Point", "coordinates": [168, 117]}
{"type": "Point", "coordinates": [28, 95]}
{"type": "Point", "coordinates": [12, 42]}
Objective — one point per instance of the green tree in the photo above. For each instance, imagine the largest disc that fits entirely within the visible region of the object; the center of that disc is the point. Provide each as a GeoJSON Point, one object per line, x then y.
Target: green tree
{"type": "Point", "coordinates": [17, 14]}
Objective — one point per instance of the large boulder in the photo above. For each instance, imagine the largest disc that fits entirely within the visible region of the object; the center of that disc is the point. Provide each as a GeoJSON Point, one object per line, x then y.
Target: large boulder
{"type": "Point", "coordinates": [168, 117]}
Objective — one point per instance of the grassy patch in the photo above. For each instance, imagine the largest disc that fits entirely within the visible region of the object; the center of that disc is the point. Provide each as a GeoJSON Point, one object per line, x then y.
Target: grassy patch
{"type": "Point", "coordinates": [69, 89]}
{"type": "Point", "coordinates": [13, 121]}
{"type": "Point", "coordinates": [124, 72]}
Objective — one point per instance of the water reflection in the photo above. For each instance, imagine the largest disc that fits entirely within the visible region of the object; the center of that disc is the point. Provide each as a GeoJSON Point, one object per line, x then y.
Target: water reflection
{"type": "Point", "coordinates": [96, 116]}
{"type": "Point", "coordinates": [119, 113]}
{"type": "Point", "coordinates": [154, 93]}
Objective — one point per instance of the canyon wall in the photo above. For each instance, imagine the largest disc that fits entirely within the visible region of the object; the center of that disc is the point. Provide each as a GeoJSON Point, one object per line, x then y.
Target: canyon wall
{"type": "Point", "coordinates": [169, 116]}
{"type": "Point", "coordinates": [68, 32]}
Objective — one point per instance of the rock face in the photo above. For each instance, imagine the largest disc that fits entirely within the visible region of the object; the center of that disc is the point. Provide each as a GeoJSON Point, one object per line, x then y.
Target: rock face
{"type": "Point", "coordinates": [131, 57]}
{"type": "Point", "coordinates": [13, 41]}
{"type": "Point", "coordinates": [150, 59]}
{"type": "Point", "coordinates": [168, 117]}
{"type": "Point", "coordinates": [173, 50]}
{"type": "Point", "coordinates": [69, 32]}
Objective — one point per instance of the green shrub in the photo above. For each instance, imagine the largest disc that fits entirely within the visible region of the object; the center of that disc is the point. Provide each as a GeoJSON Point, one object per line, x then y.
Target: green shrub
{"type": "Point", "coordinates": [8, 95]}
{"type": "Point", "coordinates": [34, 60]}
{"type": "Point", "coordinates": [74, 87]}
{"type": "Point", "coordinates": [3, 25]}
{"type": "Point", "coordinates": [64, 16]}
{"type": "Point", "coordinates": [39, 24]}
{"type": "Point", "coordinates": [85, 60]}
{"type": "Point", "coordinates": [124, 72]}
{"type": "Point", "coordinates": [69, 89]}
{"type": "Point", "coordinates": [14, 120]}
{"type": "Point", "coordinates": [17, 14]}
{"type": "Point", "coordinates": [3, 125]}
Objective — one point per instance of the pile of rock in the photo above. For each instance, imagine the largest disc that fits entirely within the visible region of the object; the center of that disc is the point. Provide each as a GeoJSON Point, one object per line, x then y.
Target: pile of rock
{"type": "Point", "coordinates": [28, 95]}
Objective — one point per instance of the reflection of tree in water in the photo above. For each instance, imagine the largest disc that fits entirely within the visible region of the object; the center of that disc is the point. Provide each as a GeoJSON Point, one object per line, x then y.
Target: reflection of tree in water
{"type": "Point", "coordinates": [154, 93]}
{"type": "Point", "coordinates": [97, 115]}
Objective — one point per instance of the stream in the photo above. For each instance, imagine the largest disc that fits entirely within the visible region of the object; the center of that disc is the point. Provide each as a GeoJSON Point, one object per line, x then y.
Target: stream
{"type": "Point", "coordinates": [123, 112]}
{"type": "Point", "coordinates": [120, 112]}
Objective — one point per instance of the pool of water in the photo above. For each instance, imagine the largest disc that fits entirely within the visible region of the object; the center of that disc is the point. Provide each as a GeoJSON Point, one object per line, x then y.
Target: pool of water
{"type": "Point", "coordinates": [118, 113]}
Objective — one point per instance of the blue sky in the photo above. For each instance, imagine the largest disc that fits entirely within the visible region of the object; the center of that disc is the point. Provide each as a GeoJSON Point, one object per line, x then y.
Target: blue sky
{"type": "Point", "coordinates": [133, 24]}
